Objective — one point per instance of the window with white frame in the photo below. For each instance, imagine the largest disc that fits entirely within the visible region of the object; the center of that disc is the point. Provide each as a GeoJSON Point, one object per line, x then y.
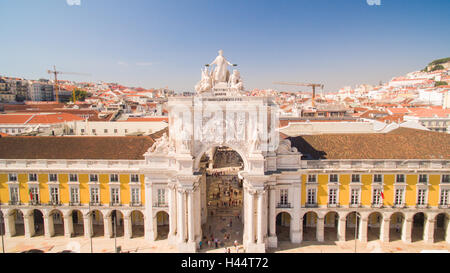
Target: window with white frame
{"type": "Point", "coordinates": [421, 197]}
{"type": "Point", "coordinates": [95, 198]}
{"type": "Point", "coordinates": [53, 177]}
{"type": "Point", "coordinates": [93, 178]}
{"type": "Point", "coordinates": [444, 197]}
{"type": "Point", "coordinates": [423, 178]}
{"type": "Point", "coordinates": [376, 197]}
{"type": "Point", "coordinates": [135, 196]}
{"type": "Point", "coordinates": [378, 178]}
{"type": "Point", "coordinates": [113, 178]}
{"type": "Point", "coordinates": [333, 178]}
{"type": "Point", "coordinates": [161, 196]}
{"type": "Point", "coordinates": [332, 196]}
{"type": "Point", "coordinates": [54, 194]}
{"type": "Point", "coordinates": [34, 194]}
{"type": "Point", "coordinates": [134, 178]}
{"type": "Point", "coordinates": [74, 195]}
{"type": "Point", "coordinates": [311, 197]}
{"type": "Point", "coordinates": [354, 198]}
{"type": "Point", "coordinates": [400, 178]}
{"type": "Point", "coordinates": [14, 193]}
{"type": "Point", "coordinates": [12, 177]}
{"type": "Point", "coordinates": [283, 196]}
{"type": "Point", "coordinates": [115, 199]}
{"type": "Point", "coordinates": [445, 178]}
{"type": "Point", "coordinates": [32, 177]}
{"type": "Point", "coordinates": [312, 178]}
{"type": "Point", "coordinates": [398, 200]}
{"type": "Point", "coordinates": [73, 177]}
{"type": "Point", "coordinates": [356, 178]}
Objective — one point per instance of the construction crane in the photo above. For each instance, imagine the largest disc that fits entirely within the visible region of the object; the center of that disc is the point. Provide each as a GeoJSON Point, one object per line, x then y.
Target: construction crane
{"type": "Point", "coordinates": [313, 85]}
{"type": "Point", "coordinates": [56, 73]}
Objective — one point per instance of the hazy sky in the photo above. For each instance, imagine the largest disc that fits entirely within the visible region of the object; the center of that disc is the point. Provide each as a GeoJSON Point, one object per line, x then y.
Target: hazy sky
{"type": "Point", "coordinates": [165, 43]}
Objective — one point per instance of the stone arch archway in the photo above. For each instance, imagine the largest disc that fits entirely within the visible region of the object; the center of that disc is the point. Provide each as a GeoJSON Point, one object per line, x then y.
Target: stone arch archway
{"type": "Point", "coordinates": [117, 223]}
{"type": "Point", "coordinates": [137, 224]}
{"type": "Point", "coordinates": [76, 216]}
{"type": "Point", "coordinates": [2, 223]}
{"type": "Point", "coordinates": [442, 227]}
{"type": "Point", "coordinates": [162, 225]}
{"type": "Point", "coordinates": [374, 221]}
{"type": "Point", "coordinates": [16, 221]}
{"type": "Point", "coordinates": [396, 223]}
{"type": "Point", "coordinates": [38, 222]}
{"type": "Point", "coordinates": [283, 224]}
{"type": "Point", "coordinates": [205, 148]}
{"type": "Point", "coordinates": [56, 223]}
{"type": "Point", "coordinates": [97, 223]}
{"type": "Point", "coordinates": [418, 225]}
{"type": "Point", "coordinates": [309, 223]}
{"type": "Point", "coordinates": [331, 223]}
{"type": "Point", "coordinates": [352, 224]}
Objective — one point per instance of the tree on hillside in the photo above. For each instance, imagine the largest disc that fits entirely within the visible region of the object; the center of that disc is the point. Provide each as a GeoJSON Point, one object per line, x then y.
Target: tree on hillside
{"type": "Point", "coordinates": [80, 95]}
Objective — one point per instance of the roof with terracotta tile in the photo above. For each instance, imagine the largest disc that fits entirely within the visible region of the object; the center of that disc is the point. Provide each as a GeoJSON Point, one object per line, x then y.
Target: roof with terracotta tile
{"type": "Point", "coordinates": [14, 119]}
{"type": "Point", "coordinates": [402, 143]}
{"type": "Point", "coordinates": [108, 148]}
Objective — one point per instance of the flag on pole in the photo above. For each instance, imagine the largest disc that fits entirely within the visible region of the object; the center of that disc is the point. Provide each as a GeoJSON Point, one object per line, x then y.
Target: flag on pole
{"type": "Point", "coordinates": [382, 195]}
{"type": "Point", "coordinates": [31, 195]}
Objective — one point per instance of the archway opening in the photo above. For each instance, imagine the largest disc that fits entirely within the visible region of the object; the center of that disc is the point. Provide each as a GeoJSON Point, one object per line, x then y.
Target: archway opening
{"type": "Point", "coordinates": [283, 223]}
{"type": "Point", "coordinates": [2, 224]}
{"type": "Point", "coordinates": [310, 226]}
{"type": "Point", "coordinates": [17, 219]}
{"type": "Point", "coordinates": [221, 197]}
{"type": "Point", "coordinates": [396, 226]}
{"type": "Point", "coordinates": [117, 223]}
{"type": "Point", "coordinates": [441, 227]}
{"type": "Point", "coordinates": [352, 222]}
{"type": "Point", "coordinates": [77, 222]}
{"type": "Point", "coordinates": [137, 224]}
{"type": "Point", "coordinates": [38, 220]}
{"type": "Point", "coordinates": [418, 227]}
{"type": "Point", "coordinates": [97, 224]}
{"type": "Point", "coordinates": [331, 222]}
{"type": "Point", "coordinates": [373, 226]}
{"type": "Point", "coordinates": [162, 221]}
{"type": "Point", "coordinates": [58, 222]}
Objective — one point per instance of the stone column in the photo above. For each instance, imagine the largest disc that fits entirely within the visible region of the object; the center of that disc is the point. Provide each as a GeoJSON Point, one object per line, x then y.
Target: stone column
{"type": "Point", "coordinates": [191, 212]}
{"type": "Point", "coordinates": [88, 230]}
{"type": "Point", "coordinates": [296, 231]}
{"type": "Point", "coordinates": [49, 230]}
{"type": "Point", "coordinates": [150, 232]}
{"type": "Point", "coordinates": [251, 217]}
{"type": "Point", "coordinates": [68, 225]}
{"type": "Point", "coordinates": [260, 210]}
{"type": "Point", "coordinates": [181, 216]}
{"type": "Point", "coordinates": [107, 224]}
{"type": "Point", "coordinates": [28, 222]}
{"type": "Point", "coordinates": [172, 212]}
{"type": "Point", "coordinates": [428, 233]}
{"type": "Point", "coordinates": [272, 216]}
{"type": "Point", "coordinates": [341, 229]}
{"type": "Point", "coordinates": [362, 232]}
{"type": "Point", "coordinates": [10, 226]}
{"type": "Point", "coordinates": [384, 230]}
{"type": "Point", "coordinates": [406, 230]}
{"type": "Point", "coordinates": [198, 215]}
{"type": "Point", "coordinates": [320, 229]}
{"type": "Point", "coordinates": [447, 230]}
{"type": "Point", "coordinates": [127, 227]}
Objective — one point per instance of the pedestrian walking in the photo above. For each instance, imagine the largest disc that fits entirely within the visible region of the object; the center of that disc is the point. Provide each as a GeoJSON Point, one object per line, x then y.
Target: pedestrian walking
{"type": "Point", "coordinates": [228, 250]}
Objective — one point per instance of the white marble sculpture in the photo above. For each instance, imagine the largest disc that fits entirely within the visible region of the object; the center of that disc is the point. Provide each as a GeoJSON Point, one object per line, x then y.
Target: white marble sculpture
{"type": "Point", "coordinates": [161, 145]}
{"type": "Point", "coordinates": [205, 84]}
{"type": "Point", "coordinates": [220, 72]}
{"type": "Point", "coordinates": [235, 83]}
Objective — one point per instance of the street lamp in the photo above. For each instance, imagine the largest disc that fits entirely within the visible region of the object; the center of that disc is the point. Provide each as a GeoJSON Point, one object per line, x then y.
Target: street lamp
{"type": "Point", "coordinates": [1, 231]}
{"type": "Point", "coordinates": [91, 226]}
{"type": "Point", "coordinates": [356, 226]}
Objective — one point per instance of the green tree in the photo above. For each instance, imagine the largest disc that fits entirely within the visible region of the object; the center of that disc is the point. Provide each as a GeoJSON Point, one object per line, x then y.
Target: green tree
{"type": "Point", "coordinates": [440, 83]}
{"type": "Point", "coordinates": [80, 95]}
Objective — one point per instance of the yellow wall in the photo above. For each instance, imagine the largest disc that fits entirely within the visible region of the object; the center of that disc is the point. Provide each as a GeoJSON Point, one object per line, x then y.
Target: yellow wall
{"type": "Point", "coordinates": [43, 188]}
{"type": "Point", "coordinates": [366, 189]}
{"type": "Point", "coordinates": [124, 188]}
{"type": "Point", "coordinates": [322, 191]}
{"type": "Point", "coordinates": [83, 179]}
{"type": "Point", "coordinates": [411, 189]}
{"type": "Point", "coordinates": [344, 181]}
{"type": "Point", "coordinates": [433, 189]}
{"type": "Point", "coordinates": [104, 188]}
{"type": "Point", "coordinates": [388, 189]}
{"type": "Point", "coordinates": [64, 191]}
{"type": "Point", "coordinates": [303, 201]}
{"type": "Point", "coordinates": [4, 192]}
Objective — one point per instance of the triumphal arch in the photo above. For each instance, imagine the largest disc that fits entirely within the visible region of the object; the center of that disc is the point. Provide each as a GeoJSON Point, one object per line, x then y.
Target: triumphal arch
{"type": "Point", "coordinates": [220, 115]}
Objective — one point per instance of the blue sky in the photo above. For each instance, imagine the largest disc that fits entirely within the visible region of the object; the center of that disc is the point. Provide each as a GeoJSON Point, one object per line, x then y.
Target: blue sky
{"type": "Point", "coordinates": [156, 43]}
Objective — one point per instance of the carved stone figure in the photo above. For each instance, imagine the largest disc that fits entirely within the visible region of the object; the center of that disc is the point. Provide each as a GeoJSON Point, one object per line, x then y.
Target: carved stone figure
{"type": "Point", "coordinates": [161, 145]}
{"type": "Point", "coordinates": [235, 82]}
{"type": "Point", "coordinates": [220, 72]}
{"type": "Point", "coordinates": [205, 84]}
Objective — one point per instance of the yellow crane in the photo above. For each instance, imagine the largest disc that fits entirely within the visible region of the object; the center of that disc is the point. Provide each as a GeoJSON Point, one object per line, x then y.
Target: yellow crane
{"type": "Point", "coordinates": [313, 85]}
{"type": "Point", "coordinates": [56, 73]}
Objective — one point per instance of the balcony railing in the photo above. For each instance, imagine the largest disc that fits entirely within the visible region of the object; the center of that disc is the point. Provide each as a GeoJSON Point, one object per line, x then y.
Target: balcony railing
{"type": "Point", "coordinates": [95, 203]}
{"type": "Point", "coordinates": [74, 203]}
{"type": "Point", "coordinates": [335, 205]}
{"type": "Point", "coordinates": [284, 205]}
{"type": "Point", "coordinates": [14, 203]}
{"type": "Point", "coordinates": [379, 205]}
{"type": "Point", "coordinates": [421, 206]}
{"type": "Point", "coordinates": [115, 204]}
{"type": "Point", "coordinates": [135, 204]}
{"type": "Point", "coordinates": [443, 206]}
{"type": "Point", "coordinates": [54, 203]}
{"type": "Point", "coordinates": [357, 205]}
{"type": "Point", "coordinates": [401, 206]}
{"type": "Point", "coordinates": [160, 205]}
{"type": "Point", "coordinates": [34, 203]}
{"type": "Point", "coordinates": [314, 205]}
